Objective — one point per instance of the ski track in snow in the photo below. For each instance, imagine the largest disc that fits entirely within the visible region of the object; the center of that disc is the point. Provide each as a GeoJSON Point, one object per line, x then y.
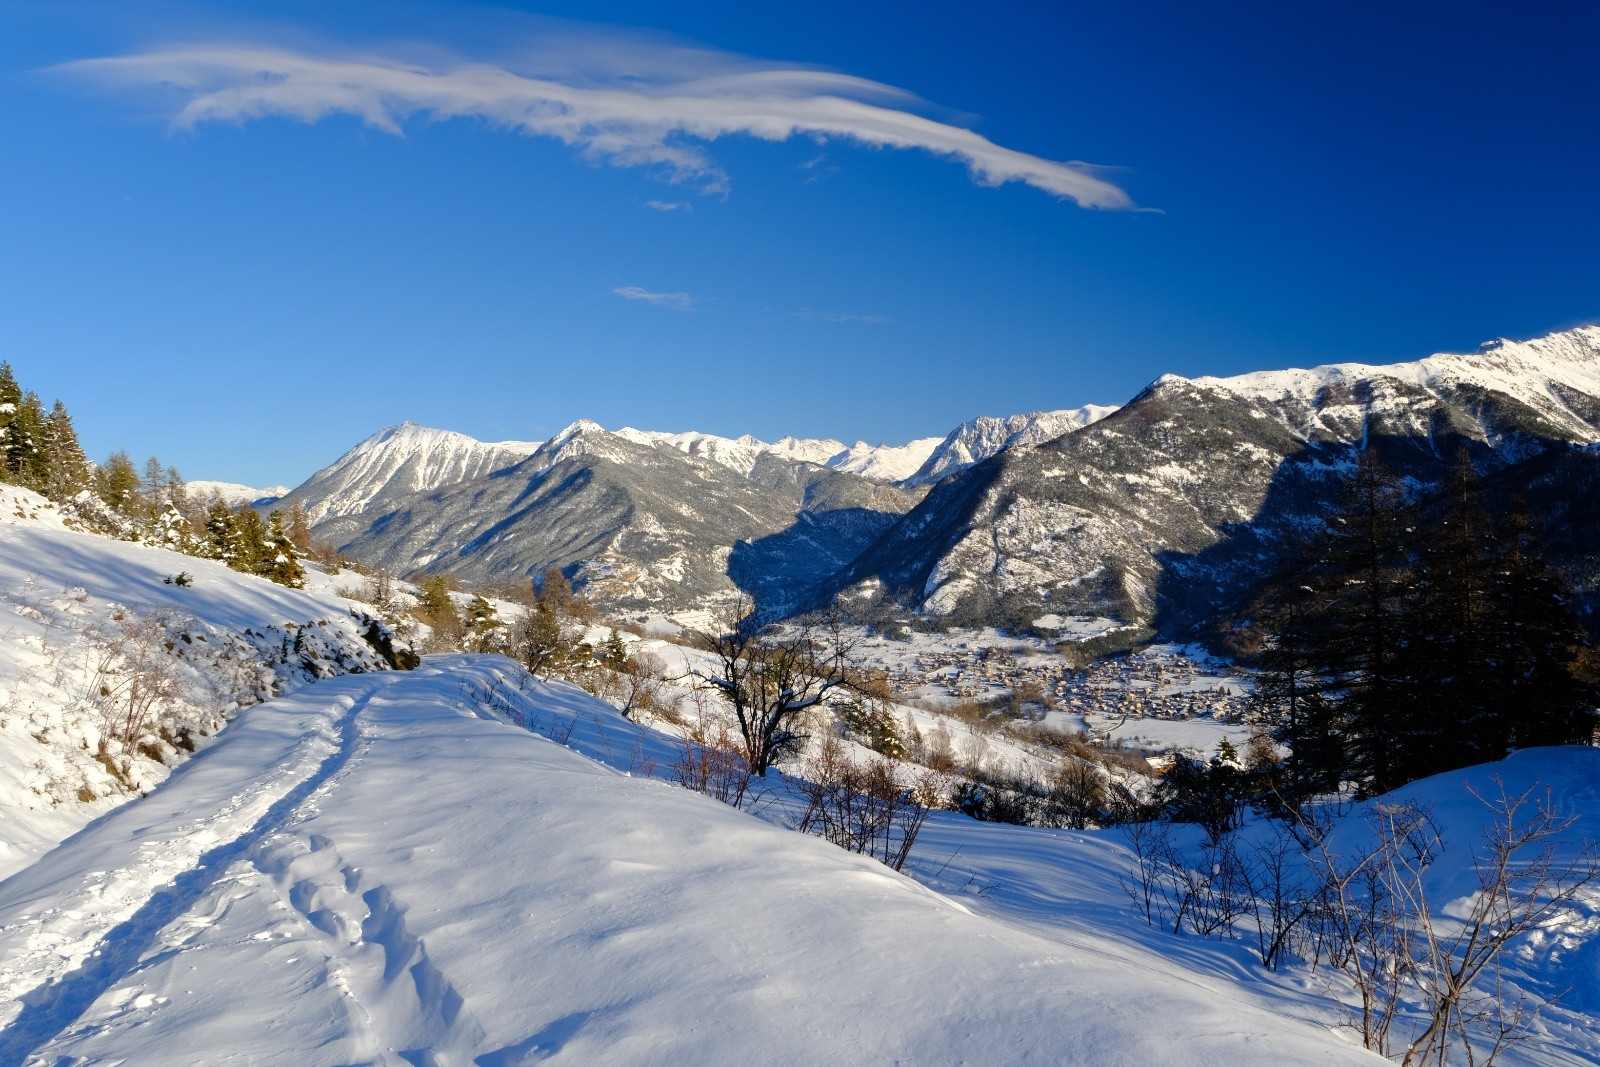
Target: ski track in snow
{"type": "Point", "coordinates": [51, 1007]}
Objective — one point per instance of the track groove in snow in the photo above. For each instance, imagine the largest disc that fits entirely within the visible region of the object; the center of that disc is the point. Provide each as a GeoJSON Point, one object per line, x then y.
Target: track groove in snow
{"type": "Point", "coordinates": [397, 996]}
{"type": "Point", "coordinates": [54, 1004]}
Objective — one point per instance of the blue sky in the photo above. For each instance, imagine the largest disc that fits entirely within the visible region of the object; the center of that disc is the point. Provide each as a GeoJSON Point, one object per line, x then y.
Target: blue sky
{"type": "Point", "coordinates": [243, 236]}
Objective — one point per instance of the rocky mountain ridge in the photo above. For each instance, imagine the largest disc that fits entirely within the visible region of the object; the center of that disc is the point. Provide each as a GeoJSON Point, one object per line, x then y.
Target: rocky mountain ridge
{"type": "Point", "coordinates": [1170, 508]}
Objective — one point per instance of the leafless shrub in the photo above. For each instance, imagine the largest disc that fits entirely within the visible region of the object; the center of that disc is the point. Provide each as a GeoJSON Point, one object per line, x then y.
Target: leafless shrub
{"type": "Point", "coordinates": [711, 761]}
{"type": "Point", "coordinates": [771, 680]}
{"type": "Point", "coordinates": [134, 675]}
{"type": "Point", "coordinates": [1077, 796]}
{"type": "Point", "coordinates": [1365, 912]}
{"type": "Point", "coordinates": [872, 807]}
{"type": "Point", "coordinates": [561, 728]}
{"type": "Point", "coordinates": [639, 684]}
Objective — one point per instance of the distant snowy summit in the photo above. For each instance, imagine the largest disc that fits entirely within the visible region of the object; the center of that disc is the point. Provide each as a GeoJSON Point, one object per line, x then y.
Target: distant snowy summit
{"type": "Point", "coordinates": [976, 440]}
{"type": "Point", "coordinates": [234, 494]}
{"type": "Point", "coordinates": [406, 457]}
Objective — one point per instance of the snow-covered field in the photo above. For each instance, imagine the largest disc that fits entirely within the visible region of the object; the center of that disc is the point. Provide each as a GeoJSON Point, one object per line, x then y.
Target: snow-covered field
{"type": "Point", "coordinates": [404, 868]}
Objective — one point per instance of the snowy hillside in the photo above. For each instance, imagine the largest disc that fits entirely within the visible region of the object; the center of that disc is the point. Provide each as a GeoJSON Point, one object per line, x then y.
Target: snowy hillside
{"type": "Point", "coordinates": [403, 867]}
{"type": "Point", "coordinates": [295, 897]}
{"type": "Point", "coordinates": [113, 666]}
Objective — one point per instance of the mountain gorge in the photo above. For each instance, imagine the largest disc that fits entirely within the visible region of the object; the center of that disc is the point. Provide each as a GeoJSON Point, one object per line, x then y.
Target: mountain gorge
{"type": "Point", "coordinates": [1156, 514]}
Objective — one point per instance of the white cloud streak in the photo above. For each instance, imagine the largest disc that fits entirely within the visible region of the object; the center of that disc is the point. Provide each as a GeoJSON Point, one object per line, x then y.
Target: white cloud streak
{"type": "Point", "coordinates": [674, 301]}
{"type": "Point", "coordinates": [669, 205]}
{"type": "Point", "coordinates": [836, 318]}
{"type": "Point", "coordinates": [620, 101]}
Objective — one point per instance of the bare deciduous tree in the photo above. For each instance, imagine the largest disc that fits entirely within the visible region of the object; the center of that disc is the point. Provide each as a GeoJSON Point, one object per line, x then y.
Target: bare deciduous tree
{"type": "Point", "coordinates": [770, 679]}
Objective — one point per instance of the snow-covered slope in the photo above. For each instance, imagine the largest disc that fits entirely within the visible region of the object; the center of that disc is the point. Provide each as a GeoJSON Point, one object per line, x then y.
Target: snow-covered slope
{"type": "Point", "coordinates": [368, 871]}
{"type": "Point", "coordinates": [402, 459]}
{"type": "Point", "coordinates": [977, 439]}
{"type": "Point", "coordinates": [81, 614]}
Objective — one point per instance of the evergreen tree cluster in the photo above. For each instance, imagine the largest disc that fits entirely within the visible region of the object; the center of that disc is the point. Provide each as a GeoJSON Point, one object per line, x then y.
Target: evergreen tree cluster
{"type": "Point", "coordinates": [39, 450]}
{"type": "Point", "coordinates": [1410, 638]}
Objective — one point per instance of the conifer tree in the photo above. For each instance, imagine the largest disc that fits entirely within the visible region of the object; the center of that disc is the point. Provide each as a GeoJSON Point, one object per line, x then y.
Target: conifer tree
{"type": "Point", "coordinates": [1412, 642]}
{"type": "Point", "coordinates": [278, 560]}
{"type": "Point", "coordinates": [1363, 583]}
{"type": "Point", "coordinates": [1551, 692]}
{"type": "Point", "coordinates": [117, 483]}
{"type": "Point", "coordinates": [614, 653]}
{"type": "Point", "coordinates": [219, 536]}
{"type": "Point", "coordinates": [298, 526]}
{"type": "Point", "coordinates": [1293, 681]}
{"type": "Point", "coordinates": [25, 456]}
{"type": "Point", "coordinates": [247, 542]}
{"type": "Point", "coordinates": [482, 622]}
{"type": "Point", "coordinates": [1450, 657]}
{"type": "Point", "coordinates": [434, 603]}
{"type": "Point", "coordinates": [68, 472]}
{"type": "Point", "coordinates": [10, 402]}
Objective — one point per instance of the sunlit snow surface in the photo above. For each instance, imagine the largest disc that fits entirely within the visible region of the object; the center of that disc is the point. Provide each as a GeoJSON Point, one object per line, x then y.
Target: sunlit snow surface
{"type": "Point", "coordinates": [369, 871]}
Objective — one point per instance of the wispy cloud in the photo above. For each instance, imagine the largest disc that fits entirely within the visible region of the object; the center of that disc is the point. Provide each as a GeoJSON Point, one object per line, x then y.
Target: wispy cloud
{"type": "Point", "coordinates": [675, 301]}
{"type": "Point", "coordinates": [669, 205]}
{"type": "Point", "coordinates": [837, 317]}
{"type": "Point", "coordinates": [620, 100]}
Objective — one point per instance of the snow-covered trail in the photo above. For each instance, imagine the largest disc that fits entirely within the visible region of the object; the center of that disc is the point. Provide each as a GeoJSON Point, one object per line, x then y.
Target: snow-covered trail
{"type": "Point", "coordinates": [370, 871]}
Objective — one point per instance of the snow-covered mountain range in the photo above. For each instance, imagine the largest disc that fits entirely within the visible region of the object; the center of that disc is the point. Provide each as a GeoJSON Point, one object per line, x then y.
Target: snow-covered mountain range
{"type": "Point", "coordinates": [234, 494]}
{"type": "Point", "coordinates": [1150, 513]}
{"type": "Point", "coordinates": [643, 519]}
{"type": "Point", "coordinates": [1166, 510]}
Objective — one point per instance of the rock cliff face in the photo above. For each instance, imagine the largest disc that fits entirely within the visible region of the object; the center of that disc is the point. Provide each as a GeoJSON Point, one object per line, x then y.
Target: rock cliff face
{"type": "Point", "coordinates": [1174, 505]}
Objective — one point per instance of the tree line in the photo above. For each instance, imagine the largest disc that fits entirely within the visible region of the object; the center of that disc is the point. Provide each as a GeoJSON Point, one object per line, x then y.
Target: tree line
{"type": "Point", "coordinates": [1408, 637]}
{"type": "Point", "coordinates": [39, 450]}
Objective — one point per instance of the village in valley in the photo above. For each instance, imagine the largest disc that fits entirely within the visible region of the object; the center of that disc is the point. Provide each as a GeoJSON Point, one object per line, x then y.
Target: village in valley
{"type": "Point", "coordinates": [1155, 698]}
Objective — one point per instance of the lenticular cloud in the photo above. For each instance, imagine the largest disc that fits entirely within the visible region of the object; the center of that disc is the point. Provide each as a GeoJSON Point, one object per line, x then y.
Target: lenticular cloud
{"type": "Point", "coordinates": [627, 107]}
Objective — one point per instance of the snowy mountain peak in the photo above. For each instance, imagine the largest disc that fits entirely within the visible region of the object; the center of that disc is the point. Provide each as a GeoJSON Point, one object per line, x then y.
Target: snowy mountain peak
{"type": "Point", "coordinates": [1541, 373]}
{"type": "Point", "coordinates": [407, 457]}
{"type": "Point", "coordinates": [977, 439]}
{"type": "Point", "coordinates": [234, 494]}
{"type": "Point", "coordinates": [888, 463]}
